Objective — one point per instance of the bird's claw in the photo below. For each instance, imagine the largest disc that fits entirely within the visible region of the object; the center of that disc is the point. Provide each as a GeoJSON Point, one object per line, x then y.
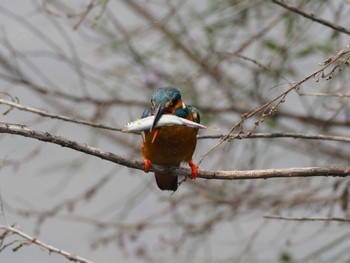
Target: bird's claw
{"type": "Point", "coordinates": [147, 165]}
{"type": "Point", "coordinates": [194, 169]}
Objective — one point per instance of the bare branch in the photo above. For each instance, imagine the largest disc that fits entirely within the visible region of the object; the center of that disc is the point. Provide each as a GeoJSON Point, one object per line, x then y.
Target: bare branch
{"type": "Point", "coordinates": [271, 107]}
{"type": "Point", "coordinates": [322, 94]}
{"type": "Point", "coordinates": [56, 116]}
{"type": "Point", "coordinates": [245, 44]}
{"type": "Point", "coordinates": [339, 219]}
{"type": "Point", "coordinates": [280, 135]}
{"type": "Point", "coordinates": [339, 171]}
{"type": "Point", "coordinates": [51, 249]}
{"type": "Point", "coordinates": [312, 17]}
{"type": "Point", "coordinates": [193, 55]}
{"type": "Point", "coordinates": [89, 6]}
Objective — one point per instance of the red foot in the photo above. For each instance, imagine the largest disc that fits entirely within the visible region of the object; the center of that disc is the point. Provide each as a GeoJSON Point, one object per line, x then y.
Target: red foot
{"type": "Point", "coordinates": [147, 165]}
{"type": "Point", "coordinates": [194, 169]}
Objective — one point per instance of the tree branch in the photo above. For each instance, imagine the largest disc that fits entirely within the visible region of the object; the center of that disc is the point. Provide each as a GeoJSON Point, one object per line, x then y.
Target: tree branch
{"type": "Point", "coordinates": [338, 219]}
{"type": "Point", "coordinates": [56, 116]}
{"type": "Point", "coordinates": [270, 108]}
{"type": "Point", "coordinates": [11, 230]}
{"type": "Point", "coordinates": [280, 135]}
{"type": "Point", "coordinates": [218, 136]}
{"type": "Point", "coordinates": [312, 17]}
{"type": "Point", "coordinates": [193, 55]}
{"type": "Point", "coordinates": [21, 130]}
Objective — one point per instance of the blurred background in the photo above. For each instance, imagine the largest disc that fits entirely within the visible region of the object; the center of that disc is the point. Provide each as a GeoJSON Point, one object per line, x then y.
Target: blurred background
{"type": "Point", "coordinates": [101, 60]}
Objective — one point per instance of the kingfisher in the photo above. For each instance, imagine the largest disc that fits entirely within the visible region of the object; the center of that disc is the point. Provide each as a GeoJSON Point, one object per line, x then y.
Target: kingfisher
{"type": "Point", "coordinates": [169, 145]}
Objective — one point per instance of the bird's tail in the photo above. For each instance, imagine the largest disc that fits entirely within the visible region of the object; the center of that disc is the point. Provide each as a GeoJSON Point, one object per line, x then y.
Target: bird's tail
{"type": "Point", "coordinates": [166, 182]}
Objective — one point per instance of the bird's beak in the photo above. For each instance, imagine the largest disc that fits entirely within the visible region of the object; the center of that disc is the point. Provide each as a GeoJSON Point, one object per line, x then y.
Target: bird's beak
{"type": "Point", "coordinates": [159, 112]}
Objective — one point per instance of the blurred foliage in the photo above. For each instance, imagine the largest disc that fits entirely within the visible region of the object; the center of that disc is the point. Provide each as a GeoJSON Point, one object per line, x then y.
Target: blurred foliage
{"type": "Point", "coordinates": [285, 257]}
{"type": "Point", "coordinates": [101, 60]}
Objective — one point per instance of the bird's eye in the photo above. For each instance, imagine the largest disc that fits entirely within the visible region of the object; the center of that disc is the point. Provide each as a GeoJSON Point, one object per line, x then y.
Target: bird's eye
{"type": "Point", "coordinates": [174, 102]}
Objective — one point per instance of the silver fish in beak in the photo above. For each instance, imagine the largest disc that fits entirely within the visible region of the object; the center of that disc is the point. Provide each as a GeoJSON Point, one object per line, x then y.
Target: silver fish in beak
{"type": "Point", "coordinates": [145, 124]}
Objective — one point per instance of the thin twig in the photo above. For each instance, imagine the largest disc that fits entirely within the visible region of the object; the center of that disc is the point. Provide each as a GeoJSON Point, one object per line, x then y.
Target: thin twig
{"type": "Point", "coordinates": [321, 94]}
{"type": "Point", "coordinates": [250, 241]}
{"type": "Point", "coordinates": [270, 108]}
{"type": "Point", "coordinates": [89, 7]}
{"type": "Point", "coordinates": [56, 116]}
{"type": "Point", "coordinates": [245, 44]}
{"type": "Point", "coordinates": [280, 135]}
{"type": "Point", "coordinates": [193, 55]}
{"type": "Point", "coordinates": [339, 219]}
{"type": "Point", "coordinates": [312, 17]}
{"type": "Point", "coordinates": [46, 246]}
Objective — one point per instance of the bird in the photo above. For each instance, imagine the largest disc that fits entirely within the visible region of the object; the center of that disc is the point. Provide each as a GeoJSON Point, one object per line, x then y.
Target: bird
{"type": "Point", "coordinates": [169, 145]}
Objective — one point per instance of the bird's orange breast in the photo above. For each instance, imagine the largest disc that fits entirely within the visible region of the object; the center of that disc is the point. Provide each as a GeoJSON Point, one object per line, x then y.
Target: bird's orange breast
{"type": "Point", "coordinates": [173, 145]}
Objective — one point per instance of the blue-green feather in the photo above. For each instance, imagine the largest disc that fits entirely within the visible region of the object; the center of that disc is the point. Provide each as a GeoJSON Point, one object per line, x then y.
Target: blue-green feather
{"type": "Point", "coordinates": [183, 113]}
{"type": "Point", "coordinates": [163, 95]}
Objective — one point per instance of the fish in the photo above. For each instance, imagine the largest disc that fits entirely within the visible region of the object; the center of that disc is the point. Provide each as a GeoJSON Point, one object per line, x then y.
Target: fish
{"type": "Point", "coordinates": [145, 124]}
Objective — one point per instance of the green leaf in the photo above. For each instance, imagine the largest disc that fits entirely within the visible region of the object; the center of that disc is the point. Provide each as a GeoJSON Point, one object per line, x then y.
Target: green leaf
{"type": "Point", "coordinates": [285, 257]}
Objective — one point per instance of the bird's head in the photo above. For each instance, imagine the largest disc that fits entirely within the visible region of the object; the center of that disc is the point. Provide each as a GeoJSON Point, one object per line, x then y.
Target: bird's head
{"type": "Point", "coordinates": [165, 101]}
